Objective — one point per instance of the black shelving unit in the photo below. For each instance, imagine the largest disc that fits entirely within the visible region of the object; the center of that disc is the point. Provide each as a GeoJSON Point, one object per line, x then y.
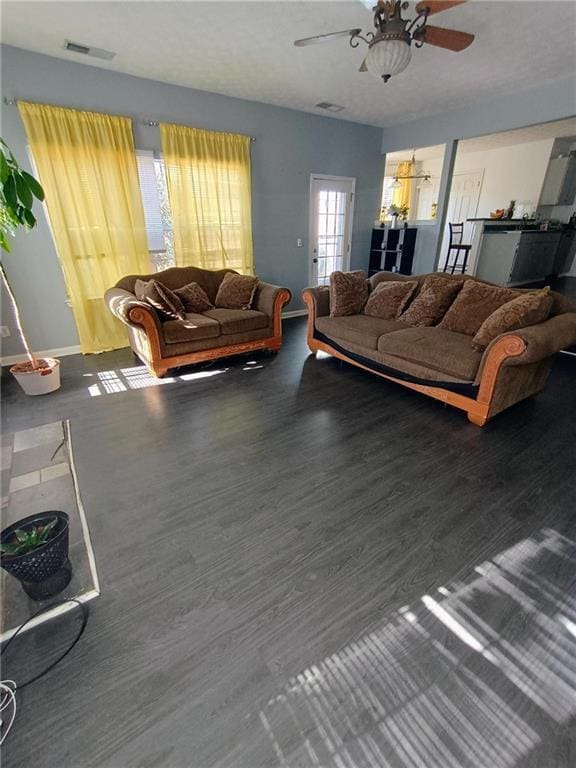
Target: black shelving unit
{"type": "Point", "coordinates": [392, 250]}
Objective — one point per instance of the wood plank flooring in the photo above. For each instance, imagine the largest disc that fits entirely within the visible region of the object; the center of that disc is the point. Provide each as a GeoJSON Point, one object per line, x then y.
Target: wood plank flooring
{"type": "Point", "coordinates": [305, 566]}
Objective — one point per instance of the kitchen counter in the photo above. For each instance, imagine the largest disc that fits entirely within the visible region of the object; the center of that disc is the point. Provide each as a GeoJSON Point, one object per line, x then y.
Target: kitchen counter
{"type": "Point", "coordinates": [507, 252]}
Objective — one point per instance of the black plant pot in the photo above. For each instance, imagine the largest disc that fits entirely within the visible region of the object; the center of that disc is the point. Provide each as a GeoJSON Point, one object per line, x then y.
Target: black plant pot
{"type": "Point", "coordinates": [46, 570]}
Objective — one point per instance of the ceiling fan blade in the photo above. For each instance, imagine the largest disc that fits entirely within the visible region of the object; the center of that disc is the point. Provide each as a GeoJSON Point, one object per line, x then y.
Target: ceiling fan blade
{"type": "Point", "coordinates": [435, 6]}
{"type": "Point", "coordinates": [363, 67]}
{"type": "Point", "coordinates": [326, 38]}
{"type": "Point", "coordinates": [451, 39]}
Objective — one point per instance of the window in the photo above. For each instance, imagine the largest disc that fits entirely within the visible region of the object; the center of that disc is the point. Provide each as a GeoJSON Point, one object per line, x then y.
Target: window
{"type": "Point", "coordinates": [156, 210]}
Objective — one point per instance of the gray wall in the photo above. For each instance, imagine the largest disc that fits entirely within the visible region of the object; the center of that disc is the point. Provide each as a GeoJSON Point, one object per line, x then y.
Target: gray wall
{"type": "Point", "coordinates": [289, 146]}
{"type": "Point", "coordinates": [552, 101]}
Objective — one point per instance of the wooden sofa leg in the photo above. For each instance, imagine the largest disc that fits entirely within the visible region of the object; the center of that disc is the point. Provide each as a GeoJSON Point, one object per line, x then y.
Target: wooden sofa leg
{"type": "Point", "coordinates": [158, 371]}
{"type": "Point", "coordinates": [476, 419]}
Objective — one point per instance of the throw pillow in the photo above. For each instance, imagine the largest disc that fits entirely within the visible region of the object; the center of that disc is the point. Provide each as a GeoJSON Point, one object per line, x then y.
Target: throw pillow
{"type": "Point", "coordinates": [473, 305]}
{"type": "Point", "coordinates": [431, 304]}
{"type": "Point", "coordinates": [389, 299]}
{"type": "Point", "coordinates": [194, 298]}
{"type": "Point", "coordinates": [348, 293]}
{"type": "Point", "coordinates": [236, 291]}
{"type": "Point", "coordinates": [526, 309]}
{"type": "Point", "coordinates": [161, 298]}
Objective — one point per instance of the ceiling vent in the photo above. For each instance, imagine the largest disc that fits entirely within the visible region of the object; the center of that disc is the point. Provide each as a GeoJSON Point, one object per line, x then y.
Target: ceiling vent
{"type": "Point", "coordinates": [330, 107]}
{"type": "Point", "coordinates": [88, 50]}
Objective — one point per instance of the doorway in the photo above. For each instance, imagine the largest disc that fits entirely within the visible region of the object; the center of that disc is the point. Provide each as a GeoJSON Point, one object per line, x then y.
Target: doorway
{"type": "Point", "coordinates": [462, 205]}
{"type": "Point", "coordinates": [331, 215]}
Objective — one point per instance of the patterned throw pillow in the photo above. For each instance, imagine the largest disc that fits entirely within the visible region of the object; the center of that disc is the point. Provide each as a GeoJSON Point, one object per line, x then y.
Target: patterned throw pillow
{"type": "Point", "coordinates": [194, 298]}
{"type": "Point", "coordinates": [526, 309]}
{"type": "Point", "coordinates": [389, 299]}
{"type": "Point", "coordinates": [431, 304]}
{"type": "Point", "coordinates": [236, 291]}
{"type": "Point", "coordinates": [161, 298]}
{"type": "Point", "coordinates": [475, 302]}
{"type": "Point", "coordinates": [348, 293]}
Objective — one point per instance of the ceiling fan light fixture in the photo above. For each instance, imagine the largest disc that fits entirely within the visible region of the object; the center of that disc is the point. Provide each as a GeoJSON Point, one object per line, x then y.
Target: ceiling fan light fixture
{"type": "Point", "coordinates": [396, 184]}
{"type": "Point", "coordinates": [426, 183]}
{"type": "Point", "coordinates": [388, 57]}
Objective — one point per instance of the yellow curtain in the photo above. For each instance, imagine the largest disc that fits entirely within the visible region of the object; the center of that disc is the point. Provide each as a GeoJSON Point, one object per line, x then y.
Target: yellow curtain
{"type": "Point", "coordinates": [209, 188]}
{"type": "Point", "coordinates": [87, 165]}
{"type": "Point", "coordinates": [402, 196]}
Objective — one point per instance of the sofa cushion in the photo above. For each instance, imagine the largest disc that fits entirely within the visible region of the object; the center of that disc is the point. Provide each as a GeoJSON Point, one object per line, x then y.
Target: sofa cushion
{"type": "Point", "coordinates": [433, 301]}
{"type": "Point", "coordinates": [238, 320]}
{"type": "Point", "coordinates": [445, 351]}
{"type": "Point", "coordinates": [526, 309]}
{"type": "Point", "coordinates": [475, 302]}
{"type": "Point", "coordinates": [236, 291]}
{"type": "Point", "coordinates": [358, 329]}
{"type": "Point", "coordinates": [193, 327]}
{"type": "Point", "coordinates": [348, 293]}
{"type": "Point", "coordinates": [389, 299]}
{"type": "Point", "coordinates": [160, 297]}
{"type": "Point", "coordinates": [194, 298]}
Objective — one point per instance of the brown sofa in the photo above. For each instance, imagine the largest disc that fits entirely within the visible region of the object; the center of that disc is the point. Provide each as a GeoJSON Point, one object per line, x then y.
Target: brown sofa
{"type": "Point", "coordinates": [440, 363]}
{"type": "Point", "coordinates": [163, 344]}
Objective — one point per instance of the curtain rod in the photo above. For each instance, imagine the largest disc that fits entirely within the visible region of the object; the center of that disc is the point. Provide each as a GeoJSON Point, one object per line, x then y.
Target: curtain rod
{"type": "Point", "coordinates": [147, 123]}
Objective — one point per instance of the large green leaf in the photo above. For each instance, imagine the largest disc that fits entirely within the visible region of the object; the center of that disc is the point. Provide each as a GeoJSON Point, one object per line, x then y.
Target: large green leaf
{"type": "Point", "coordinates": [9, 191]}
{"type": "Point", "coordinates": [29, 218]}
{"type": "Point", "coordinates": [33, 185]}
{"type": "Point", "coordinates": [23, 191]}
{"type": "Point", "coordinates": [4, 169]}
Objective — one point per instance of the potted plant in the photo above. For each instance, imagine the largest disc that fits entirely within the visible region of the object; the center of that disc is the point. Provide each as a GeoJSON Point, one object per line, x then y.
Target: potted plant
{"type": "Point", "coordinates": [18, 189]}
{"type": "Point", "coordinates": [35, 551]}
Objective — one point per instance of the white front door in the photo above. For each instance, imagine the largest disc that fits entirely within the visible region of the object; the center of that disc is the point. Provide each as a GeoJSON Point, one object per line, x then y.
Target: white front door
{"type": "Point", "coordinates": [331, 213]}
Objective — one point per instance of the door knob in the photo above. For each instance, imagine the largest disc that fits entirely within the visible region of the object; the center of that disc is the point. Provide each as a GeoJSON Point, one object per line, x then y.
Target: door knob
{"type": "Point", "coordinates": [315, 261]}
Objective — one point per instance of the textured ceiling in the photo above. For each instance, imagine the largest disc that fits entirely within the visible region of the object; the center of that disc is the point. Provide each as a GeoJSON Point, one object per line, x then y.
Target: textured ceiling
{"type": "Point", "coordinates": [245, 49]}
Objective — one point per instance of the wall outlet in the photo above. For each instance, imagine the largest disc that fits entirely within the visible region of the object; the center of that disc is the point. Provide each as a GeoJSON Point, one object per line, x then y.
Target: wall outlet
{"type": "Point", "coordinates": [299, 242]}
{"type": "Point", "coordinates": [4, 331]}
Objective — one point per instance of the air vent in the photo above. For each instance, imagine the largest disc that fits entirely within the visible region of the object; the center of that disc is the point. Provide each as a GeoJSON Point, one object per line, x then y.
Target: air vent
{"type": "Point", "coordinates": [88, 50]}
{"type": "Point", "coordinates": [330, 107]}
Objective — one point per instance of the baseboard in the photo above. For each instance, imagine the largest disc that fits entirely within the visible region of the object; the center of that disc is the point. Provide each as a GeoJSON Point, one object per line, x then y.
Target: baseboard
{"type": "Point", "coordinates": [58, 352]}
{"type": "Point", "coordinates": [294, 313]}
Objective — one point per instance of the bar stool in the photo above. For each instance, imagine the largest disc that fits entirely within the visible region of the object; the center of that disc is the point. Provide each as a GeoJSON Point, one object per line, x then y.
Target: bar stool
{"type": "Point", "coordinates": [456, 245]}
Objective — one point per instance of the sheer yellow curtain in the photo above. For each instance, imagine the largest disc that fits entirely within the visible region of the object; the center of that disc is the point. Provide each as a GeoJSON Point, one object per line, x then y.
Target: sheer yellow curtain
{"type": "Point", "coordinates": [87, 165]}
{"type": "Point", "coordinates": [402, 196]}
{"type": "Point", "coordinates": [209, 187]}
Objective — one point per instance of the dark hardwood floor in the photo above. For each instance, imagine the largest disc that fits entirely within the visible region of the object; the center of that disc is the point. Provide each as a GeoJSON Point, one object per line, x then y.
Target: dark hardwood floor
{"type": "Point", "coordinates": [304, 566]}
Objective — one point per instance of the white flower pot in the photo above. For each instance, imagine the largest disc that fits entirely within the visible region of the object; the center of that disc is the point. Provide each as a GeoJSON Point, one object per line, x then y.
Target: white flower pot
{"type": "Point", "coordinates": [39, 381]}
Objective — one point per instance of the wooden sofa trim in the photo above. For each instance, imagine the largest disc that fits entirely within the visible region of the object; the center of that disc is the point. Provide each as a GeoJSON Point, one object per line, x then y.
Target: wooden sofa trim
{"type": "Point", "coordinates": [159, 366]}
{"type": "Point", "coordinates": [477, 409]}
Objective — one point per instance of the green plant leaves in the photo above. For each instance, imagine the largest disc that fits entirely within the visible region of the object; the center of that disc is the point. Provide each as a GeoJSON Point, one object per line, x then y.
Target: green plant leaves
{"type": "Point", "coordinates": [23, 191]}
{"type": "Point", "coordinates": [28, 540]}
{"type": "Point", "coordinates": [17, 192]}
{"type": "Point", "coordinates": [33, 185]}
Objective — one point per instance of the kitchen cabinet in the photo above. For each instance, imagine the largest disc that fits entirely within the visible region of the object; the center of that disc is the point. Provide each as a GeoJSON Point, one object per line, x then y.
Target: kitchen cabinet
{"type": "Point", "coordinates": [515, 257]}
{"type": "Point", "coordinates": [534, 259]}
{"type": "Point", "coordinates": [559, 185]}
{"type": "Point", "coordinates": [565, 252]}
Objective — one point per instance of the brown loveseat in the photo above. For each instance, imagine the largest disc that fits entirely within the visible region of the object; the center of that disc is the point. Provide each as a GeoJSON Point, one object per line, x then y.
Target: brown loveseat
{"type": "Point", "coordinates": [440, 363]}
{"type": "Point", "coordinates": [163, 344]}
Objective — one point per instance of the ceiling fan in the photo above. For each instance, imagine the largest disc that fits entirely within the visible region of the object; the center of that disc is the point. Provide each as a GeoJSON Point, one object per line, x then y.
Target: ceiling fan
{"type": "Point", "coordinates": [389, 48]}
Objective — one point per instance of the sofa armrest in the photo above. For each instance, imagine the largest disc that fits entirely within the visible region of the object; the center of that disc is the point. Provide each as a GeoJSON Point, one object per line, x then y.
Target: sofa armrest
{"type": "Point", "coordinates": [270, 298]}
{"type": "Point", "coordinates": [121, 303]}
{"type": "Point", "coordinates": [546, 339]}
{"type": "Point", "coordinates": [317, 300]}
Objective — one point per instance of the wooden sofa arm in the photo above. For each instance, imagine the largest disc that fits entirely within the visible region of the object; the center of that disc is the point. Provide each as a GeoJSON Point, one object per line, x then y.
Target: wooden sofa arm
{"type": "Point", "coordinates": [317, 302]}
{"type": "Point", "coordinates": [546, 339]}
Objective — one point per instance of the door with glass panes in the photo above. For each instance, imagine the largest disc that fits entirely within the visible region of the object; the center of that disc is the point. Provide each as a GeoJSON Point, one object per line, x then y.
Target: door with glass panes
{"type": "Point", "coordinates": [331, 212]}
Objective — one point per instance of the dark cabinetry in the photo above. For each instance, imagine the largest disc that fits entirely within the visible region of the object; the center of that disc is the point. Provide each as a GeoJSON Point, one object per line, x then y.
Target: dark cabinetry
{"type": "Point", "coordinates": [392, 250]}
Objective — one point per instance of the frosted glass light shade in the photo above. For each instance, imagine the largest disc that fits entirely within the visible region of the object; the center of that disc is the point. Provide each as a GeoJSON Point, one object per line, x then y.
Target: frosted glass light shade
{"type": "Point", "coordinates": [388, 57]}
